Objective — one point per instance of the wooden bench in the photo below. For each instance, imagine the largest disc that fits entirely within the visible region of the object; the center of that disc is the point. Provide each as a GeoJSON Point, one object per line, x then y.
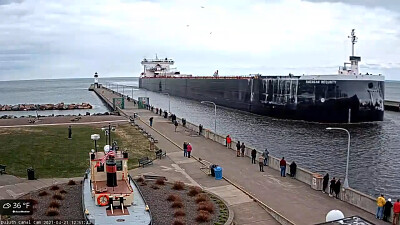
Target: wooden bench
{"type": "Point", "coordinates": [2, 169]}
{"type": "Point", "coordinates": [160, 154]}
{"type": "Point", "coordinates": [145, 161]}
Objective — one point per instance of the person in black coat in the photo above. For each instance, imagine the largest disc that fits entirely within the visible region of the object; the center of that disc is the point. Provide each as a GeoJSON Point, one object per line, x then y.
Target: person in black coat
{"type": "Point", "coordinates": [332, 186]}
{"type": "Point", "coordinates": [337, 188]}
{"type": "Point", "coordinates": [325, 182]}
{"type": "Point", "coordinates": [387, 209]}
{"type": "Point", "coordinates": [253, 156]}
{"type": "Point", "coordinates": [293, 167]}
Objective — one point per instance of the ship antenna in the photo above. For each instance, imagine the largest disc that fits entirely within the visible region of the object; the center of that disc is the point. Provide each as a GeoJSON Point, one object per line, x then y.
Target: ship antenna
{"type": "Point", "coordinates": [354, 39]}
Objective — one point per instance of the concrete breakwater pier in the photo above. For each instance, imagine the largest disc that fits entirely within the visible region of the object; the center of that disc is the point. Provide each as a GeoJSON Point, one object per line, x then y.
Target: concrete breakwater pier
{"type": "Point", "coordinates": [33, 107]}
{"type": "Point", "coordinates": [291, 201]}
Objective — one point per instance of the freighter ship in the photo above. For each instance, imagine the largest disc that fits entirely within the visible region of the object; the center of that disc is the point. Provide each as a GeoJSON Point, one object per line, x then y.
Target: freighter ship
{"type": "Point", "coordinates": [346, 97]}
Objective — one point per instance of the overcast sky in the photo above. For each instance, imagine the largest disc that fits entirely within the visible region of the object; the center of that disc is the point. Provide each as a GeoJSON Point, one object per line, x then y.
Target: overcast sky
{"type": "Point", "coordinates": [75, 38]}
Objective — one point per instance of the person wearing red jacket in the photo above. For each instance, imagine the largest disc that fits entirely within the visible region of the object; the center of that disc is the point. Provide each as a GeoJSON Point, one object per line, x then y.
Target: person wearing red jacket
{"type": "Point", "coordinates": [282, 163]}
{"type": "Point", "coordinates": [189, 149]}
{"type": "Point", "coordinates": [396, 212]}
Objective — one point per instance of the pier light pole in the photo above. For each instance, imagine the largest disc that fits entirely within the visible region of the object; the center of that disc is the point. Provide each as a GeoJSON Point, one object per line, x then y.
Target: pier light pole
{"type": "Point", "coordinates": [346, 180]}
{"type": "Point", "coordinates": [215, 114]}
{"type": "Point", "coordinates": [169, 102]}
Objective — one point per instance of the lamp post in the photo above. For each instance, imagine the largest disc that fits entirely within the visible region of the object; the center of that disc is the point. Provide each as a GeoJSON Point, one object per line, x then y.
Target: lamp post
{"type": "Point", "coordinates": [95, 137]}
{"type": "Point", "coordinates": [215, 114]}
{"type": "Point", "coordinates": [169, 102]}
{"type": "Point", "coordinates": [346, 180]}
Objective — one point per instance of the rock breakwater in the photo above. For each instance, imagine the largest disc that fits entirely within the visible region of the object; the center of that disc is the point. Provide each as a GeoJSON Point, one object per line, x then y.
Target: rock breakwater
{"type": "Point", "coordinates": [33, 107]}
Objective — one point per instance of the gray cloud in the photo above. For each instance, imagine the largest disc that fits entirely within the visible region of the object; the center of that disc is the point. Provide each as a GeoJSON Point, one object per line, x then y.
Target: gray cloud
{"type": "Point", "coordinates": [392, 5]}
{"type": "Point", "coordinates": [6, 2]}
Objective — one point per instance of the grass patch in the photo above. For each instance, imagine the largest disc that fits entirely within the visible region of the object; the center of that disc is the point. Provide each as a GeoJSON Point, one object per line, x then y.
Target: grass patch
{"type": "Point", "coordinates": [54, 204]}
{"type": "Point", "coordinates": [48, 150]}
{"type": "Point", "coordinates": [206, 206]}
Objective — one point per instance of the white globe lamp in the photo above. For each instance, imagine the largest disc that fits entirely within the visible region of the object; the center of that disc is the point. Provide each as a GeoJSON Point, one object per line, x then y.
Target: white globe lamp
{"type": "Point", "coordinates": [334, 215]}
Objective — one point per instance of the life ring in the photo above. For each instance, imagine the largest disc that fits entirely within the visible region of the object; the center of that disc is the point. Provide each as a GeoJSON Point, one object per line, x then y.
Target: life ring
{"type": "Point", "coordinates": [103, 200]}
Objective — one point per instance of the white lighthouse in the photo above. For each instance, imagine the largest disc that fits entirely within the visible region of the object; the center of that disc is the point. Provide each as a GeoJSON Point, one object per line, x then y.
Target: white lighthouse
{"type": "Point", "coordinates": [96, 80]}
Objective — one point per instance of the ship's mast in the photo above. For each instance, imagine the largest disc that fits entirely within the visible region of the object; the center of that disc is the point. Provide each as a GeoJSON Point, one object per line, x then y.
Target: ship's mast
{"type": "Point", "coordinates": [354, 39]}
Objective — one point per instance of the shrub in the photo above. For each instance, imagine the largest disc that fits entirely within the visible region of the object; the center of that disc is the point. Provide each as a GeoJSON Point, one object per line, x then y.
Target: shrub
{"type": "Point", "coordinates": [52, 212]}
{"type": "Point", "coordinates": [177, 204]}
{"type": "Point", "coordinates": [155, 187]}
{"type": "Point", "coordinates": [179, 213]}
{"type": "Point", "coordinates": [173, 197]}
{"type": "Point", "coordinates": [43, 193]}
{"type": "Point", "coordinates": [54, 188]}
{"type": "Point", "coordinates": [34, 201]}
{"type": "Point", "coordinates": [54, 204]}
{"type": "Point", "coordinates": [71, 182]}
{"type": "Point", "coordinates": [63, 191]}
{"type": "Point", "coordinates": [179, 221]}
{"type": "Point", "coordinates": [160, 181]}
{"type": "Point", "coordinates": [201, 198]}
{"type": "Point", "coordinates": [178, 185]}
{"type": "Point", "coordinates": [203, 216]}
{"type": "Point", "coordinates": [206, 206]}
{"type": "Point", "coordinates": [140, 179]}
{"type": "Point", "coordinates": [194, 191]}
{"type": "Point", "coordinates": [58, 196]}
{"type": "Point", "coordinates": [143, 183]}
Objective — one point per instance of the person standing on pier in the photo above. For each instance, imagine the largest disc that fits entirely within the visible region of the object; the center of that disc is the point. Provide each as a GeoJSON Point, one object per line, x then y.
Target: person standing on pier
{"type": "Point", "coordinates": [189, 149]}
{"type": "Point", "coordinates": [185, 149]}
{"type": "Point", "coordinates": [261, 163]}
{"type": "Point", "coordinates": [238, 149]}
{"type": "Point", "coordinates": [266, 153]}
{"type": "Point", "coordinates": [396, 212]}
{"type": "Point", "coordinates": [380, 202]}
{"type": "Point", "coordinates": [325, 182]}
{"type": "Point", "coordinates": [176, 124]}
{"type": "Point", "coordinates": [200, 129]}
{"type": "Point", "coordinates": [253, 156]}
{"type": "Point", "coordinates": [228, 142]}
{"type": "Point", "coordinates": [386, 210]}
{"type": "Point", "coordinates": [151, 121]}
{"type": "Point", "coordinates": [337, 188]}
{"type": "Point", "coordinates": [293, 168]}
{"type": "Point", "coordinates": [242, 148]}
{"type": "Point", "coordinates": [282, 164]}
{"type": "Point", "coordinates": [332, 186]}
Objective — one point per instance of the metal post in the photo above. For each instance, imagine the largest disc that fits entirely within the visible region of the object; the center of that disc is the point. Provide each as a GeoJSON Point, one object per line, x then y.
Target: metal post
{"type": "Point", "coordinates": [215, 114]}
{"type": "Point", "coordinates": [346, 179]}
{"type": "Point", "coordinates": [109, 133]}
{"type": "Point", "coordinates": [95, 145]}
{"type": "Point", "coordinates": [349, 117]}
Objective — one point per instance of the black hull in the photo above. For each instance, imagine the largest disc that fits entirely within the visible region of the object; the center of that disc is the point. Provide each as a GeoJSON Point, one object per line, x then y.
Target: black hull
{"type": "Point", "coordinates": [286, 98]}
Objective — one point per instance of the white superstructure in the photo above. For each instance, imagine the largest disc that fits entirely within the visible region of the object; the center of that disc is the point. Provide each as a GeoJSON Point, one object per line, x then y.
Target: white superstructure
{"type": "Point", "coordinates": [159, 68]}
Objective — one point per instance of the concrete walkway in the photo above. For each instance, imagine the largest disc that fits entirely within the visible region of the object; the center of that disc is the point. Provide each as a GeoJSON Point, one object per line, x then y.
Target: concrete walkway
{"type": "Point", "coordinates": [294, 200]}
{"type": "Point", "coordinates": [12, 187]}
{"type": "Point", "coordinates": [176, 167]}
